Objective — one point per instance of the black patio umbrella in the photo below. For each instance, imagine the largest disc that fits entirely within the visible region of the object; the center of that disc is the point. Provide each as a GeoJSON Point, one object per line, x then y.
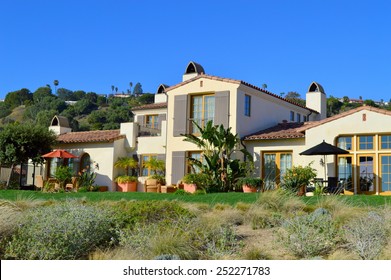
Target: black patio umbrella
{"type": "Point", "coordinates": [324, 149]}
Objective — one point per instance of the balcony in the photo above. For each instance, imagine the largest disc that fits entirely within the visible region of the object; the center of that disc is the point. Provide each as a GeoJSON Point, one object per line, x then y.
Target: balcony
{"type": "Point", "coordinates": [147, 130]}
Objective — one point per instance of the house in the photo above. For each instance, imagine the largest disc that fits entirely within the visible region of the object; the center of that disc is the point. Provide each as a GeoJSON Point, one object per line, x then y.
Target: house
{"type": "Point", "coordinates": [275, 130]}
{"type": "Point", "coordinates": [364, 131]}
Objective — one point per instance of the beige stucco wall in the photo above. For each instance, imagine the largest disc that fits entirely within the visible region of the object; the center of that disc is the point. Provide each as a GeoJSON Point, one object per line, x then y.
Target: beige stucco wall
{"type": "Point", "coordinates": [103, 154]}
{"type": "Point", "coordinates": [290, 145]}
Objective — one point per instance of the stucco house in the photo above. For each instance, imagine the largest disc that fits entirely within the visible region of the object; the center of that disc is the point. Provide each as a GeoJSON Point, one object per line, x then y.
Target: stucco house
{"type": "Point", "coordinates": [275, 130]}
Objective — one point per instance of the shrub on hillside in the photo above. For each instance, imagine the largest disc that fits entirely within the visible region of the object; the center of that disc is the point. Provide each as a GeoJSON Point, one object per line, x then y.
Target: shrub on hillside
{"type": "Point", "coordinates": [309, 235]}
{"type": "Point", "coordinates": [62, 231]}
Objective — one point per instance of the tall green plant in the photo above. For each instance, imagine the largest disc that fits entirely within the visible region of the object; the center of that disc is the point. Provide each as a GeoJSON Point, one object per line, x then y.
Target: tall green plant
{"type": "Point", "coordinates": [126, 163]}
{"type": "Point", "coordinates": [219, 145]}
{"type": "Point", "coordinates": [158, 166]}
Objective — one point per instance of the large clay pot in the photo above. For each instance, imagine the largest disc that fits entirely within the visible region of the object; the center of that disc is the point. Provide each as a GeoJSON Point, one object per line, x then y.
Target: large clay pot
{"type": "Point", "coordinates": [127, 187]}
{"type": "Point", "coordinates": [249, 189]}
{"type": "Point", "coordinates": [191, 188]}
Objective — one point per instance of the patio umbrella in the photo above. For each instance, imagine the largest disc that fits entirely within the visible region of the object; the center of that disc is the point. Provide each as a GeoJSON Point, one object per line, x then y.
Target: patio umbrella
{"type": "Point", "coordinates": [59, 154]}
{"type": "Point", "coordinates": [324, 149]}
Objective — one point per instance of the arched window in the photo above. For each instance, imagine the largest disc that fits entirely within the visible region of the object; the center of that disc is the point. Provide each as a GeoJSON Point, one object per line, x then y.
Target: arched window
{"type": "Point", "coordinates": [85, 163]}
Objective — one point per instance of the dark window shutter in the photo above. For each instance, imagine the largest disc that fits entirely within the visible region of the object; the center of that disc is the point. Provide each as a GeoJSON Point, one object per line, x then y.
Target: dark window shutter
{"type": "Point", "coordinates": [180, 115]}
{"type": "Point", "coordinates": [140, 120]}
{"type": "Point", "coordinates": [178, 166]}
{"type": "Point", "coordinates": [161, 117]}
{"type": "Point", "coordinates": [222, 108]}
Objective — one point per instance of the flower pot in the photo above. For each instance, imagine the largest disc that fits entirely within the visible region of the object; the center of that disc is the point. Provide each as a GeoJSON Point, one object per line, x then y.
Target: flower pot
{"type": "Point", "coordinates": [127, 187]}
{"type": "Point", "coordinates": [191, 188]}
{"type": "Point", "coordinates": [103, 188]}
{"type": "Point", "coordinates": [249, 189]}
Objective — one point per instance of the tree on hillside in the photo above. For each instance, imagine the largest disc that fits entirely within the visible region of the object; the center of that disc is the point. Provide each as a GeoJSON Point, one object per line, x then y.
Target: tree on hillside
{"type": "Point", "coordinates": [65, 94]}
{"type": "Point", "coordinates": [41, 93]}
{"type": "Point", "coordinates": [21, 142]}
{"type": "Point", "coordinates": [130, 87]}
{"type": "Point", "coordinates": [4, 110]}
{"type": "Point", "coordinates": [46, 103]}
{"type": "Point", "coordinates": [138, 90]}
{"type": "Point", "coordinates": [295, 97]}
{"type": "Point", "coordinates": [146, 98]}
{"type": "Point", "coordinates": [16, 98]}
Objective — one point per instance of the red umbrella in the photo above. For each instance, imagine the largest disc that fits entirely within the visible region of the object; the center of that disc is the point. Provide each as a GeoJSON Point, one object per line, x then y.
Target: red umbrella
{"type": "Point", "coordinates": [59, 154]}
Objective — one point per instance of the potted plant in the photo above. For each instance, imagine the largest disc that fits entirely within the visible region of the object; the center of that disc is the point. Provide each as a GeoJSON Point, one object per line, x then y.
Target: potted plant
{"type": "Point", "coordinates": [250, 184]}
{"type": "Point", "coordinates": [127, 183]}
{"type": "Point", "coordinates": [63, 175]}
{"type": "Point", "coordinates": [297, 178]}
{"type": "Point", "coordinates": [194, 181]}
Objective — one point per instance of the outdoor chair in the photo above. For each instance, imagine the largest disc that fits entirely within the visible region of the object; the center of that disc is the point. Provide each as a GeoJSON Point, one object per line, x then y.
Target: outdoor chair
{"type": "Point", "coordinates": [333, 185]}
{"type": "Point", "coordinates": [39, 182]}
{"type": "Point", "coordinates": [71, 186]}
{"type": "Point", "coordinates": [152, 185]}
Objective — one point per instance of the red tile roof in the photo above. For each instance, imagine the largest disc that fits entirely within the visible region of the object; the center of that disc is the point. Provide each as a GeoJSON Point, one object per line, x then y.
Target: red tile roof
{"type": "Point", "coordinates": [280, 131]}
{"type": "Point", "coordinates": [90, 136]}
{"type": "Point", "coordinates": [239, 82]}
{"type": "Point", "coordinates": [150, 106]}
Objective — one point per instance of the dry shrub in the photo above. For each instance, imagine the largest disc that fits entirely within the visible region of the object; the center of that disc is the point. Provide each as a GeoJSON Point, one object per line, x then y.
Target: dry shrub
{"type": "Point", "coordinates": [258, 217]}
{"type": "Point", "coordinates": [229, 216]}
{"type": "Point", "coordinates": [10, 215]}
{"type": "Point", "coordinates": [367, 235]}
{"type": "Point", "coordinates": [244, 207]}
{"type": "Point", "coordinates": [281, 201]}
{"type": "Point", "coordinates": [342, 254]}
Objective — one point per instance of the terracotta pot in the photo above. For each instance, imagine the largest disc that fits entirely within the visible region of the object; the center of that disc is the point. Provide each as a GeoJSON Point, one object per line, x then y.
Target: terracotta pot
{"type": "Point", "coordinates": [103, 188]}
{"type": "Point", "coordinates": [249, 189]}
{"type": "Point", "coordinates": [127, 187]}
{"type": "Point", "coordinates": [191, 188]}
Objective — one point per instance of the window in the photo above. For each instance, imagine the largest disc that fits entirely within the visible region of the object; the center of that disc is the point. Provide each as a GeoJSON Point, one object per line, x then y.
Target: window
{"type": "Point", "coordinates": [385, 172]}
{"type": "Point", "coordinates": [304, 118]}
{"type": "Point", "coordinates": [151, 121]}
{"type": "Point", "coordinates": [292, 116]}
{"type": "Point", "coordinates": [365, 142]}
{"type": "Point", "coordinates": [275, 164]}
{"type": "Point", "coordinates": [345, 172]}
{"type": "Point", "coordinates": [385, 141]}
{"type": "Point", "coordinates": [298, 117]}
{"type": "Point", "coordinates": [345, 142]}
{"type": "Point", "coordinates": [144, 170]}
{"type": "Point", "coordinates": [202, 110]}
{"type": "Point", "coordinates": [190, 167]}
{"type": "Point", "coordinates": [85, 163]}
{"type": "Point", "coordinates": [247, 105]}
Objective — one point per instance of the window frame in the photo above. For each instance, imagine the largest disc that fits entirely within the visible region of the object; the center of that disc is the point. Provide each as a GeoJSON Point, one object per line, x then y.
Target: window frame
{"type": "Point", "coordinates": [387, 142]}
{"type": "Point", "coordinates": [192, 128]}
{"type": "Point", "coordinates": [277, 162]}
{"type": "Point", "coordinates": [359, 142]}
{"type": "Point", "coordinates": [154, 121]}
{"type": "Point", "coordinates": [142, 168]}
{"type": "Point", "coordinates": [247, 105]}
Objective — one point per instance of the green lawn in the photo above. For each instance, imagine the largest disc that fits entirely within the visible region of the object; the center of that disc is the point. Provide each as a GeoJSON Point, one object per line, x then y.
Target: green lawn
{"type": "Point", "coordinates": [213, 198]}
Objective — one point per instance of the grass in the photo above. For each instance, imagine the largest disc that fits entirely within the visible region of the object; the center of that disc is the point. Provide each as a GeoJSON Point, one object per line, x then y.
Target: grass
{"type": "Point", "coordinates": [211, 199]}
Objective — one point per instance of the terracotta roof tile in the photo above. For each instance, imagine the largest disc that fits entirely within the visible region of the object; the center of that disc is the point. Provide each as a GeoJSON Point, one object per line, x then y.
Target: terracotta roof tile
{"type": "Point", "coordinates": [239, 82]}
{"type": "Point", "coordinates": [280, 131]}
{"type": "Point", "coordinates": [150, 106]}
{"type": "Point", "coordinates": [90, 136]}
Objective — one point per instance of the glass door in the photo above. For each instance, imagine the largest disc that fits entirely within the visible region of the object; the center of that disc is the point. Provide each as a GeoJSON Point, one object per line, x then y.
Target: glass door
{"type": "Point", "coordinates": [385, 181]}
{"type": "Point", "coordinates": [345, 173]}
{"type": "Point", "coordinates": [366, 174]}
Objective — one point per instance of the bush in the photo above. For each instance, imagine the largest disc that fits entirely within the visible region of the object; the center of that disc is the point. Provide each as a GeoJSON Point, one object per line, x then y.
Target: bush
{"type": "Point", "coordinates": [309, 235]}
{"type": "Point", "coordinates": [128, 214]}
{"type": "Point", "coordinates": [281, 201]}
{"type": "Point", "coordinates": [367, 235]}
{"type": "Point", "coordinates": [63, 231]}
{"type": "Point", "coordinates": [298, 176]}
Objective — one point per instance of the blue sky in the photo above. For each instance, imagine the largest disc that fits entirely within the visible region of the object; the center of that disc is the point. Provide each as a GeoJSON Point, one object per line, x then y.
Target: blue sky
{"type": "Point", "coordinates": [91, 45]}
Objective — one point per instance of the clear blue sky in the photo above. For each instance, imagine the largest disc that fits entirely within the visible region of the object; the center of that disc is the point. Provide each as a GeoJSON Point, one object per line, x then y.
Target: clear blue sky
{"type": "Point", "coordinates": [91, 45]}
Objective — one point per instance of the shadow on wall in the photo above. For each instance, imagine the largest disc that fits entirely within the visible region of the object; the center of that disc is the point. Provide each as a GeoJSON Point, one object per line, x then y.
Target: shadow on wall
{"type": "Point", "coordinates": [104, 180]}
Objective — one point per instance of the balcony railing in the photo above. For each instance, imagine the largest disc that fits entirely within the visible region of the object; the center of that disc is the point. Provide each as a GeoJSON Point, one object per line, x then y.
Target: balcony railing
{"type": "Point", "coordinates": [146, 130]}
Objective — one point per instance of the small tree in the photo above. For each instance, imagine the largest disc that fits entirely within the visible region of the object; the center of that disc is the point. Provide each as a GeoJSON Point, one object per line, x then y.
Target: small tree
{"type": "Point", "coordinates": [218, 145]}
{"type": "Point", "coordinates": [21, 142]}
{"type": "Point", "coordinates": [126, 163]}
